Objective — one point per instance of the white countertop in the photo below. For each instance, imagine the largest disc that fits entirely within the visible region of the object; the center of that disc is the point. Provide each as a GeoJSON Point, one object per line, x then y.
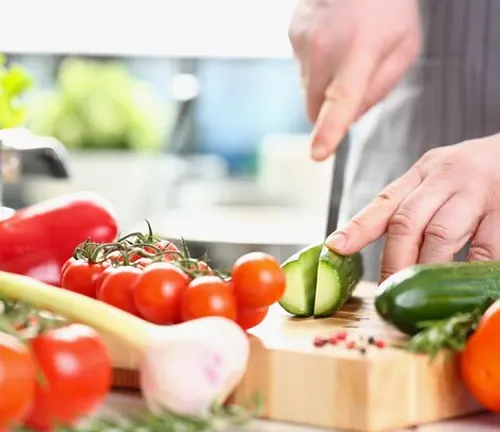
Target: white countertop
{"type": "Point", "coordinates": [487, 422]}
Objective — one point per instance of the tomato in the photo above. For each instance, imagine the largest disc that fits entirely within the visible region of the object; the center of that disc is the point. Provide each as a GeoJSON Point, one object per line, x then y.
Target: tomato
{"type": "Point", "coordinates": [208, 296]}
{"type": "Point", "coordinates": [80, 277]}
{"type": "Point", "coordinates": [143, 262]}
{"type": "Point", "coordinates": [480, 361]}
{"type": "Point", "coordinates": [172, 252]}
{"type": "Point", "coordinates": [77, 375]}
{"type": "Point", "coordinates": [100, 280]}
{"type": "Point", "coordinates": [17, 380]}
{"type": "Point", "coordinates": [158, 292]}
{"type": "Point", "coordinates": [67, 264]}
{"type": "Point", "coordinates": [115, 257]}
{"type": "Point", "coordinates": [258, 280]}
{"type": "Point", "coordinates": [249, 318]}
{"type": "Point", "coordinates": [117, 288]}
{"type": "Point", "coordinates": [199, 266]}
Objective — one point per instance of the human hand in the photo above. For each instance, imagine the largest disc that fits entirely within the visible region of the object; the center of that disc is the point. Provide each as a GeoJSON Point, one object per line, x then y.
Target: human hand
{"type": "Point", "coordinates": [451, 195]}
{"type": "Point", "coordinates": [351, 53]}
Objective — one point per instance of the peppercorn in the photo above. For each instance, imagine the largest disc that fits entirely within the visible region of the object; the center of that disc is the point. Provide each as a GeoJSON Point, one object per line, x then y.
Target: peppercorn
{"type": "Point", "coordinates": [320, 342]}
{"type": "Point", "coordinates": [371, 340]}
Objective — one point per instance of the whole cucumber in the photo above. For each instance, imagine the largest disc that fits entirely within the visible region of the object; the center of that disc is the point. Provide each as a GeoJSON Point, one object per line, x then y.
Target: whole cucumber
{"type": "Point", "coordinates": [427, 292]}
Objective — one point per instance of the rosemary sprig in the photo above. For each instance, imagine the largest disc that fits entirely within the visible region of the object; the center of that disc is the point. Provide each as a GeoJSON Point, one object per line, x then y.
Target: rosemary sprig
{"type": "Point", "coordinates": [448, 334]}
{"type": "Point", "coordinates": [227, 418]}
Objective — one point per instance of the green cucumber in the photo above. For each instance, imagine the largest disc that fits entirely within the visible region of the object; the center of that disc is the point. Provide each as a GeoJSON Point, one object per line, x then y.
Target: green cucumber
{"type": "Point", "coordinates": [319, 281]}
{"type": "Point", "coordinates": [428, 292]}
{"type": "Point", "coordinates": [338, 275]}
{"type": "Point", "coordinates": [301, 270]}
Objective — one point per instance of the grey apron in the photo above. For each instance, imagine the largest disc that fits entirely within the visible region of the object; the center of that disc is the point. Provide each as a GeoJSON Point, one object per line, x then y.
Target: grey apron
{"type": "Point", "coordinates": [451, 95]}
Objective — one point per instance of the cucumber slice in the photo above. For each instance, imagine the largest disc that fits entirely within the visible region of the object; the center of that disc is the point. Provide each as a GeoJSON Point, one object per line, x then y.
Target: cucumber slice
{"type": "Point", "coordinates": [301, 272]}
{"type": "Point", "coordinates": [337, 277]}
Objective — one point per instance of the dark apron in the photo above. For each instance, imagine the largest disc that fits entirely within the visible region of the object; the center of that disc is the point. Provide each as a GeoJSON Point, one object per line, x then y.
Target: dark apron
{"type": "Point", "coordinates": [451, 95]}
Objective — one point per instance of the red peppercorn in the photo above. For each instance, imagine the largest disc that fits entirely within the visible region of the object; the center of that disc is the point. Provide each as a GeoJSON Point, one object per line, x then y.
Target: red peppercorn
{"type": "Point", "coordinates": [380, 343]}
{"type": "Point", "coordinates": [341, 335]}
{"type": "Point", "coordinates": [332, 340]}
{"type": "Point", "coordinates": [350, 345]}
{"type": "Point", "coordinates": [320, 342]}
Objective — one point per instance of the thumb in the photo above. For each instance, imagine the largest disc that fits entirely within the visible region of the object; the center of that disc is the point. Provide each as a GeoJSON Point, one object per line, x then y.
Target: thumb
{"type": "Point", "coordinates": [343, 101]}
{"type": "Point", "coordinates": [486, 243]}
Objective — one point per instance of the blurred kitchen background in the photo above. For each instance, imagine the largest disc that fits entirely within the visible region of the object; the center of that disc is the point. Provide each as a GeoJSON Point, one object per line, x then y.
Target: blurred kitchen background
{"type": "Point", "coordinates": [187, 113]}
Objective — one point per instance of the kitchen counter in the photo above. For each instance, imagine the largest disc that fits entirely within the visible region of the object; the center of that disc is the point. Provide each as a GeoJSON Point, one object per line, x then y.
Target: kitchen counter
{"type": "Point", "coordinates": [486, 422]}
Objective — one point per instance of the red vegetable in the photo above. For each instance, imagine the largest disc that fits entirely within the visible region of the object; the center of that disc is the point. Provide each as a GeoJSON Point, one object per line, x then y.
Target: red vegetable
{"type": "Point", "coordinates": [208, 296]}
{"type": "Point", "coordinates": [81, 277]}
{"type": "Point", "coordinates": [77, 371]}
{"type": "Point", "coordinates": [258, 280]}
{"type": "Point", "coordinates": [158, 292]}
{"type": "Point", "coordinates": [17, 380]}
{"type": "Point", "coordinates": [250, 318]}
{"type": "Point", "coordinates": [37, 241]}
{"type": "Point", "coordinates": [116, 287]}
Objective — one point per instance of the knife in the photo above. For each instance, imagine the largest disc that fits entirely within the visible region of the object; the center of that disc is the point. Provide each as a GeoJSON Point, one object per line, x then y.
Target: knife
{"type": "Point", "coordinates": [337, 185]}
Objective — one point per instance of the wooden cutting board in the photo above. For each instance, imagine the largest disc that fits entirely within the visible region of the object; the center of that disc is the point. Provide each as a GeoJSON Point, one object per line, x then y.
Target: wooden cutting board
{"type": "Point", "coordinates": [332, 386]}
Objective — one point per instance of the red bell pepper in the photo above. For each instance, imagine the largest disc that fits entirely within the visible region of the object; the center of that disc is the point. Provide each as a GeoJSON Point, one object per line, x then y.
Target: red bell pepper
{"type": "Point", "coordinates": [37, 240]}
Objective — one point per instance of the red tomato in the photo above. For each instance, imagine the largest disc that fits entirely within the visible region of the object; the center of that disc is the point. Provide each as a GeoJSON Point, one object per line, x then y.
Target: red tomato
{"type": "Point", "coordinates": [117, 288]}
{"type": "Point", "coordinates": [199, 266]}
{"type": "Point", "coordinates": [480, 361]}
{"type": "Point", "coordinates": [258, 280]}
{"type": "Point", "coordinates": [143, 262]}
{"type": "Point", "coordinates": [249, 318]}
{"type": "Point", "coordinates": [67, 264]}
{"type": "Point", "coordinates": [77, 369]}
{"type": "Point", "coordinates": [158, 293]}
{"type": "Point", "coordinates": [80, 277]}
{"type": "Point", "coordinates": [173, 253]}
{"type": "Point", "coordinates": [100, 280]}
{"type": "Point", "coordinates": [115, 257]}
{"type": "Point", "coordinates": [208, 296]}
{"type": "Point", "coordinates": [17, 380]}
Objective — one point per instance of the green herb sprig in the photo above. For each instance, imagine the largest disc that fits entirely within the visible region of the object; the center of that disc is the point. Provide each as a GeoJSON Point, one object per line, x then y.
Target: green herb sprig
{"type": "Point", "coordinates": [450, 334]}
{"type": "Point", "coordinates": [220, 419]}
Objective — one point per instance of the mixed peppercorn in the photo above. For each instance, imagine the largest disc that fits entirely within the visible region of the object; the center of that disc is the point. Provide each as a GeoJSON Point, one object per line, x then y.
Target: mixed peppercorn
{"type": "Point", "coordinates": [341, 337]}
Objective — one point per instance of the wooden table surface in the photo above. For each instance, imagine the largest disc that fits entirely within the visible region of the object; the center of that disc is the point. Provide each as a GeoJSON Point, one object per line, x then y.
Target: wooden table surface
{"type": "Point", "coordinates": [486, 422]}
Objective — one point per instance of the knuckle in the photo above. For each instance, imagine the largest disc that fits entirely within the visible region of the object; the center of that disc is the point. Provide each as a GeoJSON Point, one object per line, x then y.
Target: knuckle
{"type": "Point", "coordinates": [481, 253]}
{"type": "Point", "coordinates": [338, 92]}
{"type": "Point", "coordinates": [402, 223]}
{"type": "Point", "coordinates": [436, 233]}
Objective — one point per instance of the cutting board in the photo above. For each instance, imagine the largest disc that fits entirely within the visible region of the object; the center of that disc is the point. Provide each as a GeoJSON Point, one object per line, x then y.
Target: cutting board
{"type": "Point", "coordinates": [334, 387]}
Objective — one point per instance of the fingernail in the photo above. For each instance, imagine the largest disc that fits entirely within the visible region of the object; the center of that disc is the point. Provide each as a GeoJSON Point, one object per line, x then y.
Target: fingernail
{"type": "Point", "coordinates": [318, 151]}
{"type": "Point", "coordinates": [336, 241]}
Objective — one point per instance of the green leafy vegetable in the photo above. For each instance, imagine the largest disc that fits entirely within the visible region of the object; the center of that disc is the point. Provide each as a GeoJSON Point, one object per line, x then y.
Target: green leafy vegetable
{"type": "Point", "coordinates": [14, 82]}
{"type": "Point", "coordinates": [100, 105]}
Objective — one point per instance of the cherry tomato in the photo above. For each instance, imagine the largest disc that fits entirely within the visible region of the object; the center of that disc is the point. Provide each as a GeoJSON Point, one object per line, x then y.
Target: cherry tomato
{"type": "Point", "coordinates": [208, 296]}
{"type": "Point", "coordinates": [100, 280]}
{"type": "Point", "coordinates": [480, 361]}
{"type": "Point", "coordinates": [173, 253]}
{"type": "Point", "coordinates": [249, 318]}
{"type": "Point", "coordinates": [143, 262]}
{"type": "Point", "coordinates": [158, 293]}
{"type": "Point", "coordinates": [115, 257]}
{"type": "Point", "coordinates": [117, 288]}
{"type": "Point", "coordinates": [80, 277]}
{"type": "Point", "coordinates": [199, 266]}
{"type": "Point", "coordinates": [67, 264]}
{"type": "Point", "coordinates": [258, 280]}
{"type": "Point", "coordinates": [17, 380]}
{"type": "Point", "coordinates": [77, 375]}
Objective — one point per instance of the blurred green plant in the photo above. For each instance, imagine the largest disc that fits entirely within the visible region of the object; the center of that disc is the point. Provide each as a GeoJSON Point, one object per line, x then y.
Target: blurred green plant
{"type": "Point", "coordinates": [14, 82]}
{"type": "Point", "coordinates": [100, 105]}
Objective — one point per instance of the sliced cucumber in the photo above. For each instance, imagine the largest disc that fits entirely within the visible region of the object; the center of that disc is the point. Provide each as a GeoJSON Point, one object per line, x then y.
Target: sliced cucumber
{"type": "Point", "coordinates": [336, 279]}
{"type": "Point", "coordinates": [301, 272]}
